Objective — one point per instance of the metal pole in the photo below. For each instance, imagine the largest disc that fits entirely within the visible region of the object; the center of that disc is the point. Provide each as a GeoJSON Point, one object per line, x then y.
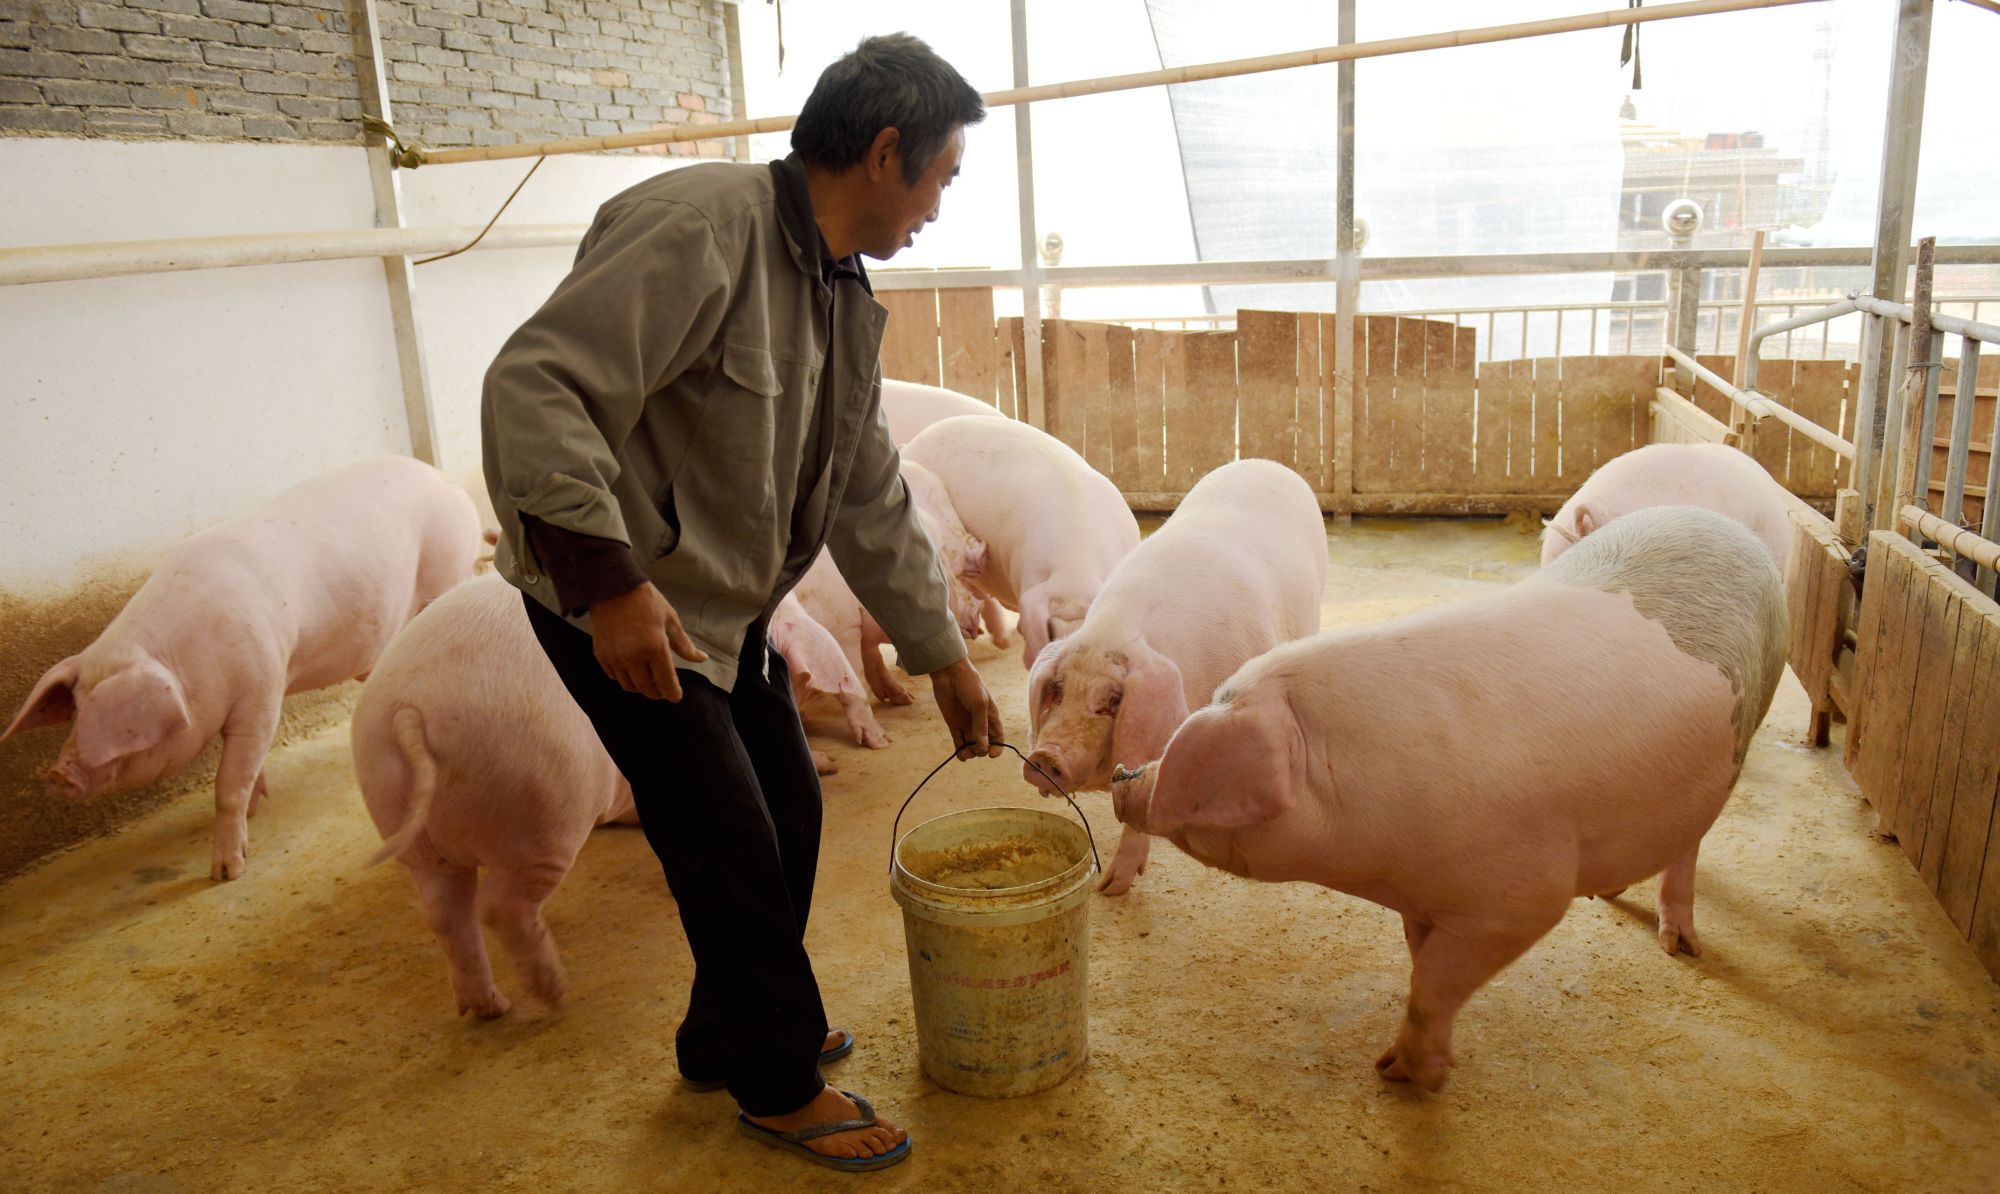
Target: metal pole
{"type": "Point", "coordinates": [396, 270]}
{"type": "Point", "coordinates": [1347, 274]}
{"type": "Point", "coordinates": [1895, 199]}
{"type": "Point", "coordinates": [1031, 406]}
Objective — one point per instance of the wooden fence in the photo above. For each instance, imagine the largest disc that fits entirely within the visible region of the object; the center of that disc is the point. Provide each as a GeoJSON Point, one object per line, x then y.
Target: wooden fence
{"type": "Point", "coordinates": [1924, 739]}
{"type": "Point", "coordinates": [1431, 430]}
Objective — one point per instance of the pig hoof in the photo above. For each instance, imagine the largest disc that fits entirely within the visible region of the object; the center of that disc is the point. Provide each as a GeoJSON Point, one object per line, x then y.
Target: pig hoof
{"type": "Point", "coordinates": [1677, 940]}
{"type": "Point", "coordinates": [1608, 895]}
{"type": "Point", "coordinates": [823, 763]}
{"type": "Point", "coordinates": [1392, 1065]}
{"type": "Point", "coordinates": [874, 739]}
{"type": "Point", "coordinates": [1118, 880]}
{"type": "Point", "coordinates": [488, 1007]}
{"type": "Point", "coordinates": [221, 869]}
{"type": "Point", "coordinates": [897, 695]}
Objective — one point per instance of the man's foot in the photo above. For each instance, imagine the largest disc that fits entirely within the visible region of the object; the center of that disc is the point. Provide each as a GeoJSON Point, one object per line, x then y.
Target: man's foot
{"type": "Point", "coordinates": [831, 1106]}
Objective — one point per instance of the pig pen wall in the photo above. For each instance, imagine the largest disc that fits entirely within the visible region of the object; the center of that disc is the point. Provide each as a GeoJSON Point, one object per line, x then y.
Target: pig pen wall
{"type": "Point", "coordinates": [137, 410]}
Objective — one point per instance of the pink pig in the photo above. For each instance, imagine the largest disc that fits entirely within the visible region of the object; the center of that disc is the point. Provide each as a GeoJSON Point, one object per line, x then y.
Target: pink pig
{"type": "Point", "coordinates": [818, 665]}
{"type": "Point", "coordinates": [912, 406]}
{"type": "Point", "coordinates": [1053, 527]}
{"type": "Point", "coordinates": [1711, 476]}
{"type": "Point", "coordinates": [299, 594]}
{"type": "Point", "coordinates": [1478, 766]}
{"type": "Point", "coordinates": [1238, 569]}
{"type": "Point", "coordinates": [470, 754]}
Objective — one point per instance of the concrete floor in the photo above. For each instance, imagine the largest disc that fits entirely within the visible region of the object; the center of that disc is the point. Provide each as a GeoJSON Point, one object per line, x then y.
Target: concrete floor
{"type": "Point", "coordinates": [294, 1029]}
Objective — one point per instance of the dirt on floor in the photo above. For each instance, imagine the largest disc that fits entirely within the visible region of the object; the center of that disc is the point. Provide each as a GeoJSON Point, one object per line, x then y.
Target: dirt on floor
{"type": "Point", "coordinates": [294, 1029]}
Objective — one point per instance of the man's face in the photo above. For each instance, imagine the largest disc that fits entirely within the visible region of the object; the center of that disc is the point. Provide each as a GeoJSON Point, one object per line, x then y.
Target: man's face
{"type": "Point", "coordinates": [902, 209]}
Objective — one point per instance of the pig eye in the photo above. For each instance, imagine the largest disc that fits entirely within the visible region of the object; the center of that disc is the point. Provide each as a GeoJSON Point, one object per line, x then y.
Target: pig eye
{"type": "Point", "coordinates": [1052, 693]}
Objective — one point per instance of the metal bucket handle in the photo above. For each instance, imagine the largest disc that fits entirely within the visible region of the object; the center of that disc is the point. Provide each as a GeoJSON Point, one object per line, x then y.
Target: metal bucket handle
{"type": "Point", "coordinates": [895, 831]}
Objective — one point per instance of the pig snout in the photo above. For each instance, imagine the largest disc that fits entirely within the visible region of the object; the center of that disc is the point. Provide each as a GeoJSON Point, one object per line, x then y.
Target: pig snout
{"type": "Point", "coordinates": [1132, 795]}
{"type": "Point", "coordinates": [1043, 766]}
{"type": "Point", "coordinates": [66, 779]}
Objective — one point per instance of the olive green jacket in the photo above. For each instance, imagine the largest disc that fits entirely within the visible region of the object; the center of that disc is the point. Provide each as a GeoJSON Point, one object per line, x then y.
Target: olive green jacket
{"type": "Point", "coordinates": [663, 397]}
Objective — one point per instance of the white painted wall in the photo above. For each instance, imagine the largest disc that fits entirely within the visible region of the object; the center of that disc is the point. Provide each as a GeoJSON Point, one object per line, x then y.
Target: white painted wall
{"type": "Point", "coordinates": [134, 411]}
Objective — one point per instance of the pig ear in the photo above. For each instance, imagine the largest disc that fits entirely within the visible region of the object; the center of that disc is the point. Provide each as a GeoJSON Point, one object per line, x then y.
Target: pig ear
{"type": "Point", "coordinates": [52, 702]}
{"type": "Point", "coordinates": [1587, 519]}
{"type": "Point", "coordinates": [132, 711]}
{"type": "Point", "coordinates": [1152, 707]}
{"type": "Point", "coordinates": [1230, 767]}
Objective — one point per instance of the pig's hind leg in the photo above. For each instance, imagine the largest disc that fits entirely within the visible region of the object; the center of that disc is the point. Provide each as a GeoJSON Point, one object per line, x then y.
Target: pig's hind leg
{"type": "Point", "coordinates": [1451, 961]}
{"type": "Point", "coordinates": [1675, 904]}
{"type": "Point", "coordinates": [448, 897]}
{"type": "Point", "coordinates": [510, 902]}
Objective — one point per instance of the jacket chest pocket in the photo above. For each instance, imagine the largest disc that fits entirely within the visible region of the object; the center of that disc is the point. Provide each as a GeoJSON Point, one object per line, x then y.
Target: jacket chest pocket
{"type": "Point", "coordinates": [742, 417]}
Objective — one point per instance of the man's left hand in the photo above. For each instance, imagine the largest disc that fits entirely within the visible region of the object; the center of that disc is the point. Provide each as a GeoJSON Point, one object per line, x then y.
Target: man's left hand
{"type": "Point", "coordinates": [969, 711]}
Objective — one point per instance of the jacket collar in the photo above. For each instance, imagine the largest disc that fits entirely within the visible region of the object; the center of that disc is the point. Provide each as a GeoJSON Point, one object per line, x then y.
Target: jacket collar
{"type": "Point", "coordinates": [802, 236]}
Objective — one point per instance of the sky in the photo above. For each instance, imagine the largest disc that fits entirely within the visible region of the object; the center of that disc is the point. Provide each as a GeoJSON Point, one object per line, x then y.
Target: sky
{"type": "Point", "coordinates": [1538, 116]}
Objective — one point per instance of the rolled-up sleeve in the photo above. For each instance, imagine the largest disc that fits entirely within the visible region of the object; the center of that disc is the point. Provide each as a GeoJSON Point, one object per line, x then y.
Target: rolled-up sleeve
{"type": "Point", "coordinates": [645, 298]}
{"type": "Point", "coordinates": [888, 561]}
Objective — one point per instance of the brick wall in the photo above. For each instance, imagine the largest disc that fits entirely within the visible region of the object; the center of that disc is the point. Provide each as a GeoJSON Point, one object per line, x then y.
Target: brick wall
{"type": "Point", "coordinates": [462, 72]}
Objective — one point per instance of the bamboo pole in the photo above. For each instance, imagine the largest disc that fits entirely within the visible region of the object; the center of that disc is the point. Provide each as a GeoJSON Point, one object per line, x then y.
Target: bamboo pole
{"type": "Point", "coordinates": [1959, 541]}
{"type": "Point", "coordinates": [420, 156]}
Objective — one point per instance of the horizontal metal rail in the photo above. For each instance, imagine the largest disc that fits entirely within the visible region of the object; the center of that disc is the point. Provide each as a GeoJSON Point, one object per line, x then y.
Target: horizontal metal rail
{"type": "Point", "coordinates": [1759, 406]}
{"type": "Point", "coordinates": [1384, 269]}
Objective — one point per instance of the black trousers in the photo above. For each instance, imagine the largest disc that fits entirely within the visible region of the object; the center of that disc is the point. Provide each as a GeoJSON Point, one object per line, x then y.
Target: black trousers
{"type": "Point", "coordinates": [729, 800]}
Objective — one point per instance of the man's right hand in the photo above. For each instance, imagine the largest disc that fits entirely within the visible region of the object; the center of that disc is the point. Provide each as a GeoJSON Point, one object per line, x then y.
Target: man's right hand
{"type": "Point", "coordinates": [631, 633]}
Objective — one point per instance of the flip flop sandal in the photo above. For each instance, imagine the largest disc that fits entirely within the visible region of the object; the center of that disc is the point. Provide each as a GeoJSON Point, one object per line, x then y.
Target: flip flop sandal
{"type": "Point", "coordinates": [826, 1057]}
{"type": "Point", "coordinates": [796, 1141]}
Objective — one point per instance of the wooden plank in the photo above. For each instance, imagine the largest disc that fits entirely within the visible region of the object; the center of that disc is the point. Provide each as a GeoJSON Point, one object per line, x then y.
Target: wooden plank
{"type": "Point", "coordinates": [1406, 445]}
{"type": "Point", "coordinates": [1267, 354]}
{"type": "Point", "coordinates": [1309, 449]}
{"type": "Point", "coordinates": [1818, 389]}
{"type": "Point", "coordinates": [1121, 409]}
{"type": "Point", "coordinates": [910, 340]}
{"type": "Point", "coordinates": [1066, 384]}
{"type": "Point", "coordinates": [1098, 400]}
{"type": "Point", "coordinates": [1892, 683]}
{"type": "Point", "coordinates": [1492, 410]}
{"type": "Point", "coordinates": [1626, 385]}
{"type": "Point", "coordinates": [1149, 413]}
{"type": "Point", "coordinates": [1011, 367]}
{"type": "Point", "coordinates": [1548, 425]}
{"type": "Point", "coordinates": [1212, 382]}
{"type": "Point", "coordinates": [1707, 397]}
{"type": "Point", "coordinates": [1930, 691]}
{"type": "Point", "coordinates": [1882, 598]}
{"type": "Point", "coordinates": [1447, 411]}
{"type": "Point", "coordinates": [1375, 404]}
{"type": "Point", "coordinates": [1521, 427]}
{"type": "Point", "coordinates": [1772, 440]}
{"type": "Point", "coordinates": [966, 343]}
{"type": "Point", "coordinates": [1181, 416]}
{"type": "Point", "coordinates": [1966, 748]}
{"type": "Point", "coordinates": [1985, 932]}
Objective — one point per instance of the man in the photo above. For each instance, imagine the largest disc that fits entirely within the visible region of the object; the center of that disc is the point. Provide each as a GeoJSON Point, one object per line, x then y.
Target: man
{"type": "Point", "coordinates": [669, 442]}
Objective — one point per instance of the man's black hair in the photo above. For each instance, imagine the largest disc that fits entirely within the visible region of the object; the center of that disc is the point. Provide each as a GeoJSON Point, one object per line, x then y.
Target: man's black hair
{"type": "Point", "coordinates": [893, 81]}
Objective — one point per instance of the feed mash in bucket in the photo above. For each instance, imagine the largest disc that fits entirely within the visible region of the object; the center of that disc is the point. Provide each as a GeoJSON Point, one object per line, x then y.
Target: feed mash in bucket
{"type": "Point", "coordinates": [996, 916]}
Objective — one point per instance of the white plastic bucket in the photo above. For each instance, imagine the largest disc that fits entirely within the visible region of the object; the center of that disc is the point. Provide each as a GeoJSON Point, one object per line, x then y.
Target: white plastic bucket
{"type": "Point", "coordinates": [996, 916]}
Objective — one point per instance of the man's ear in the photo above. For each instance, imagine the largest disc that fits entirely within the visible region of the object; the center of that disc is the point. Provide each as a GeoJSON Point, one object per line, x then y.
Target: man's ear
{"type": "Point", "coordinates": [884, 158]}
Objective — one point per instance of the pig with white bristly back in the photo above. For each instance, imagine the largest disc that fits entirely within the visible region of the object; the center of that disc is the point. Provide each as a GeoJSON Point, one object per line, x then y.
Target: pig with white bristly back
{"type": "Point", "coordinates": [1239, 568]}
{"type": "Point", "coordinates": [1478, 766]}
{"type": "Point", "coordinates": [1712, 476]}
